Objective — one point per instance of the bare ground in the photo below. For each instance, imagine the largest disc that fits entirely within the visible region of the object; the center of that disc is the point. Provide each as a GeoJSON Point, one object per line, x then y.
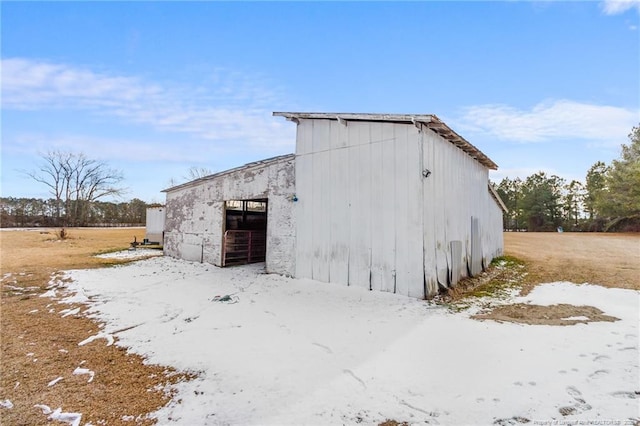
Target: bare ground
{"type": "Point", "coordinates": [561, 314]}
{"type": "Point", "coordinates": [610, 260]}
{"type": "Point", "coordinates": [38, 345]}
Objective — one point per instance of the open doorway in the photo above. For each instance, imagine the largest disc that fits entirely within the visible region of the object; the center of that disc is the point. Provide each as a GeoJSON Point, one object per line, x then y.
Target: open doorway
{"type": "Point", "coordinates": [245, 233]}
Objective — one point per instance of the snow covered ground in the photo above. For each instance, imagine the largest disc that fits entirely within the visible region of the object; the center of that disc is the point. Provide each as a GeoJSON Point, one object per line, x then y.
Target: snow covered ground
{"type": "Point", "coordinates": [132, 254]}
{"type": "Point", "coordinates": [285, 351]}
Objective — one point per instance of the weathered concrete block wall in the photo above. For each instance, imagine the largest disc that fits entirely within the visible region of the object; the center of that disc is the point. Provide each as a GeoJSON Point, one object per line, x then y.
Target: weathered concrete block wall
{"type": "Point", "coordinates": [195, 212]}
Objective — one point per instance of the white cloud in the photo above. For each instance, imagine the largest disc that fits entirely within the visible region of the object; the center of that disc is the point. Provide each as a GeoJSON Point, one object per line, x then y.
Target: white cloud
{"type": "Point", "coordinates": [548, 121]}
{"type": "Point", "coordinates": [615, 7]}
{"type": "Point", "coordinates": [28, 84]}
{"type": "Point", "coordinates": [232, 107]}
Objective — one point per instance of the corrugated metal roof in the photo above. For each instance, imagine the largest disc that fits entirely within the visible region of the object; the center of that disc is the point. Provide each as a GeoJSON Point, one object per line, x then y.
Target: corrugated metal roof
{"type": "Point", "coordinates": [428, 120]}
{"type": "Point", "coordinates": [248, 166]}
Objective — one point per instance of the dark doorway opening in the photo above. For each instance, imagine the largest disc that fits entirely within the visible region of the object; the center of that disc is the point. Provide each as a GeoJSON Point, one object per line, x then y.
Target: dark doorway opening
{"type": "Point", "coordinates": [245, 234]}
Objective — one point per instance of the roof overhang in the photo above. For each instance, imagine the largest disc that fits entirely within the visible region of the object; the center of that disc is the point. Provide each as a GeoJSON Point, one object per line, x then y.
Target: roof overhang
{"type": "Point", "coordinates": [497, 198]}
{"type": "Point", "coordinates": [429, 121]}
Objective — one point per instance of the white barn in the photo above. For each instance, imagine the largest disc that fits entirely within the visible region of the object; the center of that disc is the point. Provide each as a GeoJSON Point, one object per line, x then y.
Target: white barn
{"type": "Point", "coordinates": [388, 202]}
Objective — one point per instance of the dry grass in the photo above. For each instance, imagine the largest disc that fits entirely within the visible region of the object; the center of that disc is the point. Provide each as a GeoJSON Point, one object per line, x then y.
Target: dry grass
{"type": "Point", "coordinates": [611, 260]}
{"type": "Point", "coordinates": [560, 314]}
{"type": "Point", "coordinates": [39, 345]}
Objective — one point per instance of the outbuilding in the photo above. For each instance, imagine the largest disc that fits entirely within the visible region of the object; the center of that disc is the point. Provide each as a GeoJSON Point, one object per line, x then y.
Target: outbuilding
{"type": "Point", "coordinates": [242, 215]}
{"type": "Point", "coordinates": [390, 202]}
{"type": "Point", "coordinates": [154, 230]}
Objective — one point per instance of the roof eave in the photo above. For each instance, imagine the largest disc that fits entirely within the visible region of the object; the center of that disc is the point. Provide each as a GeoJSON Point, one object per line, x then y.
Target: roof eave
{"type": "Point", "coordinates": [431, 121]}
{"type": "Point", "coordinates": [248, 166]}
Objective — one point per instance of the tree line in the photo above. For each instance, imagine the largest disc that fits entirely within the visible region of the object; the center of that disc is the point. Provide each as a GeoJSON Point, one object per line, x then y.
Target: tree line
{"type": "Point", "coordinates": [607, 200]}
{"type": "Point", "coordinates": [34, 212]}
{"type": "Point", "coordinates": [77, 185]}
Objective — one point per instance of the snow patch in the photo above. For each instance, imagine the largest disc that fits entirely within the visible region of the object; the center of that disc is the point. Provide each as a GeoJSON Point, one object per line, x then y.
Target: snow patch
{"type": "Point", "coordinates": [54, 381]}
{"type": "Point", "coordinates": [100, 335]}
{"type": "Point", "coordinates": [578, 318]}
{"type": "Point", "coordinates": [80, 371]}
{"type": "Point", "coordinates": [294, 351]}
{"type": "Point", "coordinates": [71, 418]}
{"type": "Point", "coordinates": [45, 408]}
{"type": "Point", "coordinates": [49, 293]}
{"type": "Point", "coordinates": [132, 254]}
{"type": "Point", "coordinates": [68, 312]}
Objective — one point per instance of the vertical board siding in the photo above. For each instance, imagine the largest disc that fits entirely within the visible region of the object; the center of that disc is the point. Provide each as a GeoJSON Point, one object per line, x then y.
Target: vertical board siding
{"type": "Point", "coordinates": [402, 204]}
{"type": "Point", "coordinates": [414, 207]}
{"type": "Point", "coordinates": [321, 213]}
{"type": "Point", "coordinates": [352, 183]}
{"type": "Point", "coordinates": [428, 212]}
{"type": "Point", "coordinates": [360, 204]}
{"type": "Point", "coordinates": [455, 192]}
{"type": "Point", "coordinates": [378, 204]}
{"type": "Point", "coordinates": [304, 205]}
{"type": "Point", "coordinates": [441, 176]}
{"type": "Point", "coordinates": [338, 205]}
{"type": "Point", "coordinates": [389, 204]}
{"type": "Point", "coordinates": [367, 217]}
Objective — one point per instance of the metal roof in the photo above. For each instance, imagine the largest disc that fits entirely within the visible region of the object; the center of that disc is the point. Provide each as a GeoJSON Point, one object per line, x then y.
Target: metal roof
{"type": "Point", "coordinates": [428, 120]}
{"type": "Point", "coordinates": [248, 166]}
{"type": "Point", "coordinates": [497, 198]}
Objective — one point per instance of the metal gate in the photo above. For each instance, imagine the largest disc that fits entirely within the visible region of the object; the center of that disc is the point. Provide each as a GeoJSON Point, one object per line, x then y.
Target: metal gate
{"type": "Point", "coordinates": [242, 247]}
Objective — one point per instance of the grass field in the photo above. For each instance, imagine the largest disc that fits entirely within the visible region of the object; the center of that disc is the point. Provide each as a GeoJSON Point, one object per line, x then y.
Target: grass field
{"type": "Point", "coordinates": [124, 385]}
{"type": "Point", "coordinates": [31, 325]}
{"type": "Point", "coordinates": [612, 260]}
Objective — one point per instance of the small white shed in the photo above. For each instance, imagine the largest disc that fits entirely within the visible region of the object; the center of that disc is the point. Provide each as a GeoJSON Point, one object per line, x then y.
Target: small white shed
{"type": "Point", "coordinates": [154, 232]}
{"type": "Point", "coordinates": [389, 202]}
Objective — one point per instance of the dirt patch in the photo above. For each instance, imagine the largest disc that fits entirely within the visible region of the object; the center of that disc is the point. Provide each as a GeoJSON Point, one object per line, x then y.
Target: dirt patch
{"type": "Point", "coordinates": [561, 314]}
{"type": "Point", "coordinates": [393, 423]}
{"type": "Point", "coordinates": [610, 260]}
{"type": "Point", "coordinates": [40, 345]}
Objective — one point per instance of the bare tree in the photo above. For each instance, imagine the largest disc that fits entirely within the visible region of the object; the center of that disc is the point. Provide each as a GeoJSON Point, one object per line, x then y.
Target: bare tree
{"type": "Point", "coordinates": [53, 173]}
{"type": "Point", "coordinates": [76, 181]}
{"type": "Point", "coordinates": [197, 172]}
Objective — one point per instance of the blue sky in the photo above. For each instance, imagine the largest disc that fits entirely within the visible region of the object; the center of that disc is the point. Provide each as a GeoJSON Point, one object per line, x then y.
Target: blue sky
{"type": "Point", "coordinates": [154, 88]}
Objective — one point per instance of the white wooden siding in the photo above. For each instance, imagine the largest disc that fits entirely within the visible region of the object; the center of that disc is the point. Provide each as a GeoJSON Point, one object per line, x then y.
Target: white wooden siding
{"type": "Point", "coordinates": [367, 217]}
{"type": "Point", "coordinates": [336, 198]}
